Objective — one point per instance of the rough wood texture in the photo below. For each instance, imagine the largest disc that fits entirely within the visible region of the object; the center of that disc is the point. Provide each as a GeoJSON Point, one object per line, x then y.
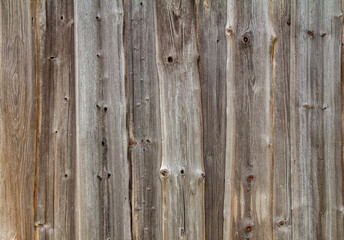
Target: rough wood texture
{"type": "Point", "coordinates": [315, 120]}
{"type": "Point", "coordinates": [17, 120]}
{"type": "Point", "coordinates": [279, 108]}
{"type": "Point", "coordinates": [103, 210]}
{"type": "Point", "coordinates": [171, 119]}
{"type": "Point", "coordinates": [211, 22]}
{"type": "Point", "coordinates": [249, 156]}
{"type": "Point", "coordinates": [55, 169]}
{"type": "Point", "coordinates": [181, 172]}
{"type": "Point", "coordinates": [144, 120]}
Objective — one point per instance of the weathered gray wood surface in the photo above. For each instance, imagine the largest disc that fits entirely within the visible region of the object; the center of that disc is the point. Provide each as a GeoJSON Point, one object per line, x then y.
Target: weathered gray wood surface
{"type": "Point", "coordinates": [315, 120]}
{"type": "Point", "coordinates": [249, 155]}
{"type": "Point", "coordinates": [212, 119]}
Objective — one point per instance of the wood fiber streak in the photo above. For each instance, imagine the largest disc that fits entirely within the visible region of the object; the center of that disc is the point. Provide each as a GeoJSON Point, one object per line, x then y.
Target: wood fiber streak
{"type": "Point", "coordinates": [211, 22]}
{"type": "Point", "coordinates": [102, 165]}
{"type": "Point", "coordinates": [181, 172]}
{"type": "Point", "coordinates": [17, 120]}
{"type": "Point", "coordinates": [249, 155]}
{"type": "Point", "coordinates": [315, 119]}
{"type": "Point", "coordinates": [280, 117]}
{"type": "Point", "coordinates": [144, 119]}
{"type": "Point", "coordinates": [55, 170]}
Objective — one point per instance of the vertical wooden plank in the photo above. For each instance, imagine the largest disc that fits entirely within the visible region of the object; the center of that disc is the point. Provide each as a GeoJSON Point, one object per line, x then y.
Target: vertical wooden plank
{"type": "Point", "coordinates": [55, 173]}
{"type": "Point", "coordinates": [17, 120]}
{"type": "Point", "coordinates": [280, 110]}
{"type": "Point", "coordinates": [317, 203]}
{"type": "Point", "coordinates": [249, 156]}
{"type": "Point", "coordinates": [182, 172]}
{"type": "Point", "coordinates": [102, 166]}
{"type": "Point", "coordinates": [211, 22]}
{"type": "Point", "coordinates": [144, 119]}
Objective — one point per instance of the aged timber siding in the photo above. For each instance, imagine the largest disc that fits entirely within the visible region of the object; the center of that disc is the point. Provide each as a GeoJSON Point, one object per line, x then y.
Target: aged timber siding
{"type": "Point", "coordinates": [144, 119]}
{"type": "Point", "coordinates": [102, 165]}
{"type": "Point", "coordinates": [55, 169]}
{"type": "Point", "coordinates": [18, 150]}
{"type": "Point", "coordinates": [315, 119]}
{"type": "Point", "coordinates": [181, 172]}
{"type": "Point", "coordinates": [171, 119]}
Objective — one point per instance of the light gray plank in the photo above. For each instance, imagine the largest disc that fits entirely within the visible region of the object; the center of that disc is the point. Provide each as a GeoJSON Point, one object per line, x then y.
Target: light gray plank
{"type": "Point", "coordinates": [316, 142]}
{"type": "Point", "coordinates": [182, 172]}
{"type": "Point", "coordinates": [103, 209]}
{"type": "Point", "coordinates": [249, 154]}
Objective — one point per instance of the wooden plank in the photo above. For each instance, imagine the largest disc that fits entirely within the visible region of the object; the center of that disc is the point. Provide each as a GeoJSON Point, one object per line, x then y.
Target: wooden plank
{"type": "Point", "coordinates": [103, 209]}
{"type": "Point", "coordinates": [211, 22]}
{"type": "Point", "coordinates": [55, 176]}
{"type": "Point", "coordinates": [144, 119]}
{"type": "Point", "coordinates": [249, 154]}
{"type": "Point", "coordinates": [317, 203]}
{"type": "Point", "coordinates": [182, 172]}
{"type": "Point", "coordinates": [280, 110]}
{"type": "Point", "coordinates": [17, 120]}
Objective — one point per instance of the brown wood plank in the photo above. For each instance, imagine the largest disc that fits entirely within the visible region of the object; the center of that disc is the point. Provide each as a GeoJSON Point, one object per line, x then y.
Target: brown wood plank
{"type": "Point", "coordinates": [144, 119]}
{"type": "Point", "coordinates": [211, 22]}
{"type": "Point", "coordinates": [55, 176]}
{"type": "Point", "coordinates": [17, 120]}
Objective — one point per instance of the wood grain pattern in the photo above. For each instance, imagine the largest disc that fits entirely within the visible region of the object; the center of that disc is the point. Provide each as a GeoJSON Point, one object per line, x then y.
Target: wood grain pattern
{"type": "Point", "coordinates": [182, 172]}
{"type": "Point", "coordinates": [211, 22]}
{"type": "Point", "coordinates": [144, 119]}
{"type": "Point", "coordinates": [280, 109]}
{"type": "Point", "coordinates": [171, 119]}
{"type": "Point", "coordinates": [314, 120]}
{"type": "Point", "coordinates": [103, 209]}
{"type": "Point", "coordinates": [17, 120]}
{"type": "Point", "coordinates": [55, 170]}
{"type": "Point", "coordinates": [249, 154]}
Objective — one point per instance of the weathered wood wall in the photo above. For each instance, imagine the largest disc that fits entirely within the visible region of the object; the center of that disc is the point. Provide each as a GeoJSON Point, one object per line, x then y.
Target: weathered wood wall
{"type": "Point", "coordinates": [171, 119]}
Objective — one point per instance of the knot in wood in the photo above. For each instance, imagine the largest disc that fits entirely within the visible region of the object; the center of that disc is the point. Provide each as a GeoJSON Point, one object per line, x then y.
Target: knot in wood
{"type": "Point", "coordinates": [164, 173]}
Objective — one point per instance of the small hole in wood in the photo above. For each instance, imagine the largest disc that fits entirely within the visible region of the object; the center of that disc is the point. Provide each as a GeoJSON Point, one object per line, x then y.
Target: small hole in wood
{"type": "Point", "coordinates": [310, 33]}
{"type": "Point", "coordinates": [170, 59]}
{"type": "Point", "coordinates": [245, 39]}
{"type": "Point", "coordinates": [250, 178]}
{"type": "Point", "coordinates": [288, 22]}
{"type": "Point", "coordinates": [105, 109]}
{"type": "Point", "coordinates": [248, 228]}
{"type": "Point", "coordinates": [281, 223]}
{"type": "Point", "coordinates": [103, 143]}
{"type": "Point", "coordinates": [61, 17]}
{"type": "Point", "coordinates": [99, 177]}
{"type": "Point", "coordinates": [66, 175]}
{"type": "Point", "coordinates": [141, 3]}
{"type": "Point", "coordinates": [109, 175]}
{"type": "Point", "coordinates": [182, 171]}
